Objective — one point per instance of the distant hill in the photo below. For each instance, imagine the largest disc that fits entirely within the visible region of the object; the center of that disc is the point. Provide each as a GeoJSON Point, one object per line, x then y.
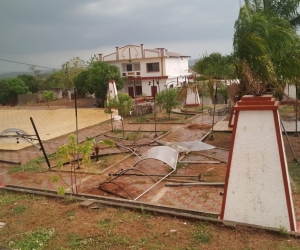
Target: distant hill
{"type": "Point", "coordinates": [17, 73]}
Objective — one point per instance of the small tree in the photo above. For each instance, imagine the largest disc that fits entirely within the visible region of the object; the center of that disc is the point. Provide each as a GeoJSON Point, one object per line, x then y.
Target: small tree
{"type": "Point", "coordinates": [108, 110]}
{"type": "Point", "coordinates": [70, 153]}
{"type": "Point", "coordinates": [168, 98]}
{"type": "Point", "coordinates": [123, 103]}
{"type": "Point", "coordinates": [48, 96]}
{"type": "Point", "coordinates": [109, 143]}
{"type": "Point", "coordinates": [10, 88]}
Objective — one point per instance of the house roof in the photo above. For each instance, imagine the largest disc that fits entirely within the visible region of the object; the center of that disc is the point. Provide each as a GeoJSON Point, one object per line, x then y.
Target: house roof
{"type": "Point", "coordinates": [168, 53]}
{"type": "Point", "coordinates": [138, 51]}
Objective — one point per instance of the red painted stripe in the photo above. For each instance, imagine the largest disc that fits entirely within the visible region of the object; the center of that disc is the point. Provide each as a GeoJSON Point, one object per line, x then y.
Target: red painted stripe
{"type": "Point", "coordinates": [229, 164]}
{"type": "Point", "coordinates": [147, 78]}
{"type": "Point", "coordinates": [245, 103]}
{"type": "Point", "coordinates": [261, 107]}
{"type": "Point", "coordinates": [257, 98]}
{"type": "Point", "coordinates": [283, 169]}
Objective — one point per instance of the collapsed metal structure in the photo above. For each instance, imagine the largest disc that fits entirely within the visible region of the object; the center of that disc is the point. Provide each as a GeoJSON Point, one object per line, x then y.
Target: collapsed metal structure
{"type": "Point", "coordinates": [164, 154]}
{"type": "Point", "coordinates": [167, 154]}
{"type": "Point", "coordinates": [14, 135]}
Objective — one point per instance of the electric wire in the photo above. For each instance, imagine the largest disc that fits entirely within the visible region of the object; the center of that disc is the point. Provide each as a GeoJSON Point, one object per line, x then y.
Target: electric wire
{"type": "Point", "coordinates": [4, 60]}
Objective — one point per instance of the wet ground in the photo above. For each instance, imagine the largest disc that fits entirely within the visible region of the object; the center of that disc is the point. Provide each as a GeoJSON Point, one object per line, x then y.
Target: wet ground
{"type": "Point", "coordinates": [194, 197]}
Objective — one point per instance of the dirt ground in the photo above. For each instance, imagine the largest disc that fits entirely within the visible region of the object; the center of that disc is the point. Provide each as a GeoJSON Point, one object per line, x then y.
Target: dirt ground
{"type": "Point", "coordinates": [33, 222]}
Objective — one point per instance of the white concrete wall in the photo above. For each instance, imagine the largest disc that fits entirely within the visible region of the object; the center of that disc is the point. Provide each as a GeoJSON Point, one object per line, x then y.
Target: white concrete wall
{"type": "Point", "coordinates": [192, 98]}
{"type": "Point", "coordinates": [151, 74]}
{"type": "Point", "coordinates": [256, 193]}
{"type": "Point", "coordinates": [176, 67]}
{"type": "Point", "coordinates": [290, 90]}
{"type": "Point", "coordinates": [149, 54]}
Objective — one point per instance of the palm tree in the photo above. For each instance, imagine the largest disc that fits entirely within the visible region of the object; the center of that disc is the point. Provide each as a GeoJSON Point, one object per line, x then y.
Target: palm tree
{"type": "Point", "coordinates": [286, 9]}
{"type": "Point", "coordinates": [266, 47]}
{"type": "Point", "coordinates": [214, 68]}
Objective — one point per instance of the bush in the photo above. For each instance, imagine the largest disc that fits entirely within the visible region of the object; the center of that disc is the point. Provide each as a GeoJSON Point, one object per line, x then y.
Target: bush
{"type": "Point", "coordinates": [48, 96]}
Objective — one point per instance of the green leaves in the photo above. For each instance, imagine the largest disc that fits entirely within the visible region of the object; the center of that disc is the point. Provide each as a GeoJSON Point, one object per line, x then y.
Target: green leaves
{"type": "Point", "coordinates": [215, 67]}
{"type": "Point", "coordinates": [37, 239]}
{"type": "Point", "coordinates": [168, 98]}
{"type": "Point", "coordinates": [95, 79]}
{"type": "Point", "coordinates": [266, 46]}
{"type": "Point", "coordinates": [123, 103]}
{"type": "Point", "coordinates": [10, 88]}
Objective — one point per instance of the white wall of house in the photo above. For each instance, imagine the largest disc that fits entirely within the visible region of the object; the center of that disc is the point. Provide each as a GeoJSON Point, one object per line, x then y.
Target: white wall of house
{"type": "Point", "coordinates": [177, 67]}
{"type": "Point", "coordinates": [134, 61]}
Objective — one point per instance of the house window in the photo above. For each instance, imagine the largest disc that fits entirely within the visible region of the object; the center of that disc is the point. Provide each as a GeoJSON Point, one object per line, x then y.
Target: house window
{"type": "Point", "coordinates": [136, 67]}
{"type": "Point", "coordinates": [129, 67]}
{"type": "Point", "coordinates": [152, 67]}
{"type": "Point", "coordinates": [138, 90]}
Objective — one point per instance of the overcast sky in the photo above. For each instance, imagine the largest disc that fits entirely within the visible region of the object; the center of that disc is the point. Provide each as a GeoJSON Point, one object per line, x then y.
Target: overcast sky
{"type": "Point", "coordinates": [50, 32]}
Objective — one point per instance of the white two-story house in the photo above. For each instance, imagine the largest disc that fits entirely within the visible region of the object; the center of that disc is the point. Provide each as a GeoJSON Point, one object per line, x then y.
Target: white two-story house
{"type": "Point", "coordinates": [148, 70]}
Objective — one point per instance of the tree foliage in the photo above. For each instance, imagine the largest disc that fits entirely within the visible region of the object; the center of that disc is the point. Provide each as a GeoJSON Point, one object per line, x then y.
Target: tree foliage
{"type": "Point", "coordinates": [10, 88]}
{"type": "Point", "coordinates": [168, 99]}
{"type": "Point", "coordinates": [56, 80]}
{"type": "Point", "coordinates": [70, 153]}
{"type": "Point", "coordinates": [30, 81]}
{"type": "Point", "coordinates": [95, 79]}
{"type": "Point", "coordinates": [70, 70]}
{"type": "Point", "coordinates": [266, 46]}
{"type": "Point", "coordinates": [123, 103]}
{"type": "Point", "coordinates": [63, 78]}
{"type": "Point", "coordinates": [40, 77]}
{"type": "Point", "coordinates": [48, 96]}
{"type": "Point", "coordinates": [213, 69]}
{"type": "Point", "coordinates": [286, 9]}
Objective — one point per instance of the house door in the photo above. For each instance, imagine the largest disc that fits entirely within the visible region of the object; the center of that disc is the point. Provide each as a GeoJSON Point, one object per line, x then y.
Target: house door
{"type": "Point", "coordinates": [131, 92]}
{"type": "Point", "coordinates": [153, 91]}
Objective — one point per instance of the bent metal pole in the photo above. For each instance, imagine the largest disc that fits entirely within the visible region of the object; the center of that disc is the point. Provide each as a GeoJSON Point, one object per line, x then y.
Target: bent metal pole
{"type": "Point", "coordinates": [40, 141]}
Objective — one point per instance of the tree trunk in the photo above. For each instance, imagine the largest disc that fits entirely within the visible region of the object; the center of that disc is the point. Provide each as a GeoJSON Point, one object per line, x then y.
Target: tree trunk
{"type": "Point", "coordinates": [123, 127]}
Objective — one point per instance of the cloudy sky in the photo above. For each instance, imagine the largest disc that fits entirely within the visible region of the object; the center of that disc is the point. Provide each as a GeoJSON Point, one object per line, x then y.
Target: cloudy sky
{"type": "Point", "coordinates": [50, 32]}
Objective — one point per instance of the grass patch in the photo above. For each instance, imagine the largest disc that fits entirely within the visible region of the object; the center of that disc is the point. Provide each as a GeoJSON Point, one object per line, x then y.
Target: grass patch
{"type": "Point", "coordinates": [141, 119]}
{"type": "Point", "coordinates": [201, 233]}
{"type": "Point", "coordinates": [8, 198]}
{"type": "Point", "coordinates": [163, 117]}
{"type": "Point", "coordinates": [106, 223]}
{"type": "Point", "coordinates": [69, 200]}
{"type": "Point", "coordinates": [199, 109]}
{"type": "Point", "coordinates": [134, 135]}
{"type": "Point", "coordinates": [286, 108]}
{"type": "Point", "coordinates": [19, 209]}
{"type": "Point", "coordinates": [71, 213]}
{"type": "Point", "coordinates": [294, 170]}
{"type": "Point", "coordinates": [37, 239]}
{"type": "Point", "coordinates": [75, 242]}
{"type": "Point", "coordinates": [11, 198]}
{"type": "Point", "coordinates": [145, 213]}
{"type": "Point", "coordinates": [107, 160]}
{"type": "Point", "coordinates": [35, 166]}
